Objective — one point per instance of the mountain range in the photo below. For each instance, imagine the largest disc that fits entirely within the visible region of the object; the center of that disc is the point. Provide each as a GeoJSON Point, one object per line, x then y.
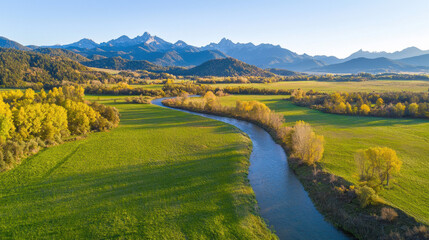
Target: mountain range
{"type": "Point", "coordinates": [376, 65]}
{"type": "Point", "coordinates": [266, 56]}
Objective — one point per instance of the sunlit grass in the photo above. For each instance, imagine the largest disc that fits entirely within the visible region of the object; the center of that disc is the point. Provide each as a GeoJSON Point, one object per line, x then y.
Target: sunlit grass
{"type": "Point", "coordinates": [368, 86]}
{"type": "Point", "coordinates": [346, 134]}
{"type": "Point", "coordinates": [162, 174]}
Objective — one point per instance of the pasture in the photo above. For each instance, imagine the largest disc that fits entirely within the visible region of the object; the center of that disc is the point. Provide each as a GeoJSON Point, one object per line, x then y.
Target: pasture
{"type": "Point", "coordinates": [344, 135]}
{"type": "Point", "coordinates": [162, 174]}
{"type": "Point", "coordinates": [368, 86]}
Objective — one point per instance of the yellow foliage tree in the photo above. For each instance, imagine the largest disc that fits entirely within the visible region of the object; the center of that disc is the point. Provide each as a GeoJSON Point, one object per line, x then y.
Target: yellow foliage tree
{"type": "Point", "coordinates": [306, 145]}
{"type": "Point", "coordinates": [377, 163]}
{"type": "Point", "coordinates": [365, 109]}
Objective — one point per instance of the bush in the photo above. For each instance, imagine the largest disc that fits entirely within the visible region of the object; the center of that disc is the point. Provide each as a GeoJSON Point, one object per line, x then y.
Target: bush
{"type": "Point", "coordinates": [367, 196]}
{"type": "Point", "coordinates": [420, 232]}
{"type": "Point", "coordinates": [388, 214]}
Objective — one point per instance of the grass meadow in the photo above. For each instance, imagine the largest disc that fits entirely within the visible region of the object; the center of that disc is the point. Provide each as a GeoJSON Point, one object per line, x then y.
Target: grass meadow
{"type": "Point", "coordinates": [162, 174]}
{"type": "Point", "coordinates": [344, 135]}
{"type": "Point", "coordinates": [368, 86]}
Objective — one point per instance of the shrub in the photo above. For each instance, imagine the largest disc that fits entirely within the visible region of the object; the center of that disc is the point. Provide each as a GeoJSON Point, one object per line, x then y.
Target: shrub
{"type": "Point", "coordinates": [367, 196]}
{"type": "Point", "coordinates": [388, 214]}
{"type": "Point", "coordinates": [420, 232]}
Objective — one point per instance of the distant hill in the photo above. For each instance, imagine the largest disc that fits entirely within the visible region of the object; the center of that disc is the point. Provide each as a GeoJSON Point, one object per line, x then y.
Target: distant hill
{"type": "Point", "coordinates": [226, 67]}
{"type": "Point", "coordinates": [328, 59]}
{"type": "Point", "coordinates": [422, 60]}
{"type": "Point", "coordinates": [378, 65]}
{"type": "Point", "coordinates": [62, 53]}
{"type": "Point", "coordinates": [118, 63]}
{"type": "Point", "coordinates": [405, 53]}
{"type": "Point", "coordinates": [265, 55]}
{"type": "Point", "coordinates": [282, 72]}
{"type": "Point", "coordinates": [6, 43]}
{"type": "Point", "coordinates": [23, 68]}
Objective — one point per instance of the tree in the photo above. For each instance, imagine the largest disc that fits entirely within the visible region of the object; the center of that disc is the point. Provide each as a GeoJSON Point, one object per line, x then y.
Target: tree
{"type": "Point", "coordinates": [364, 109]}
{"type": "Point", "coordinates": [399, 109]}
{"type": "Point", "coordinates": [379, 102]}
{"type": "Point", "coordinates": [340, 107]}
{"type": "Point", "coordinates": [211, 101]}
{"type": "Point", "coordinates": [306, 145]}
{"type": "Point", "coordinates": [6, 122]}
{"type": "Point", "coordinates": [413, 109]}
{"type": "Point", "coordinates": [377, 164]}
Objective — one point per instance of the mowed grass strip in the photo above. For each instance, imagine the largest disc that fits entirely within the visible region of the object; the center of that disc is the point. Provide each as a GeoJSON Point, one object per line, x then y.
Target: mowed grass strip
{"type": "Point", "coordinates": [344, 135]}
{"type": "Point", "coordinates": [367, 86]}
{"type": "Point", "coordinates": [162, 174]}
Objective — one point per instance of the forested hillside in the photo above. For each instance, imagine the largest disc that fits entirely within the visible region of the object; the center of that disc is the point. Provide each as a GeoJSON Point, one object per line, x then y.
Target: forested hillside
{"type": "Point", "coordinates": [58, 52]}
{"type": "Point", "coordinates": [225, 67]}
{"type": "Point", "coordinates": [25, 68]}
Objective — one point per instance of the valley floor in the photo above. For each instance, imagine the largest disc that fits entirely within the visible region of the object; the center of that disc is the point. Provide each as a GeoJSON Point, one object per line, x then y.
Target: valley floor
{"type": "Point", "coordinates": [344, 135]}
{"type": "Point", "coordinates": [367, 86]}
{"type": "Point", "coordinates": [162, 174]}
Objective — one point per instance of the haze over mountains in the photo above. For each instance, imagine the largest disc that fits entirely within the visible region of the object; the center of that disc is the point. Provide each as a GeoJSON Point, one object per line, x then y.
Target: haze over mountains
{"type": "Point", "coordinates": [157, 51]}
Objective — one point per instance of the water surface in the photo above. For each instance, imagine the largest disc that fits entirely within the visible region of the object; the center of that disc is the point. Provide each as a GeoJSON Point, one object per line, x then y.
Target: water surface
{"type": "Point", "coordinates": [283, 202]}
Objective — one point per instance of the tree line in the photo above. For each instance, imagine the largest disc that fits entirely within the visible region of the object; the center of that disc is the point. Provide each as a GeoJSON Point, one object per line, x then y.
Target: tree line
{"type": "Point", "coordinates": [30, 121]}
{"type": "Point", "coordinates": [300, 140]}
{"type": "Point", "coordinates": [388, 104]}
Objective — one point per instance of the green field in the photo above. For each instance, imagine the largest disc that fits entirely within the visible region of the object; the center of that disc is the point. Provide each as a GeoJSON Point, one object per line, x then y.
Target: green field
{"type": "Point", "coordinates": [368, 86]}
{"type": "Point", "coordinates": [161, 174]}
{"type": "Point", "coordinates": [346, 134]}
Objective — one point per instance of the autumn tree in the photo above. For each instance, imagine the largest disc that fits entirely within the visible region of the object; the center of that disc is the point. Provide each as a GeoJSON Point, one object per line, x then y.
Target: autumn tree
{"type": "Point", "coordinates": [399, 109]}
{"type": "Point", "coordinates": [306, 145]}
{"type": "Point", "coordinates": [413, 109]}
{"type": "Point", "coordinates": [6, 121]}
{"type": "Point", "coordinates": [377, 164]}
{"type": "Point", "coordinates": [379, 103]}
{"type": "Point", "coordinates": [364, 109]}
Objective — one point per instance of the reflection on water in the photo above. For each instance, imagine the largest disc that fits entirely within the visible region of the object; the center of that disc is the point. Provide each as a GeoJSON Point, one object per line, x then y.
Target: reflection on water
{"type": "Point", "coordinates": [283, 202]}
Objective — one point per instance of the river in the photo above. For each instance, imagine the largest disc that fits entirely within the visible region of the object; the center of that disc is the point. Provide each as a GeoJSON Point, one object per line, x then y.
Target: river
{"type": "Point", "coordinates": [282, 200]}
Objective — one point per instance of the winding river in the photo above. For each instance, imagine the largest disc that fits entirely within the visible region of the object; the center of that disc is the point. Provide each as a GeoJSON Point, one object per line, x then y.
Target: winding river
{"type": "Point", "coordinates": [283, 202]}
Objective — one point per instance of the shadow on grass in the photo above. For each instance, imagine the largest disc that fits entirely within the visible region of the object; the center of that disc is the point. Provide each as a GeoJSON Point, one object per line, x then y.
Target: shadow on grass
{"type": "Point", "coordinates": [190, 195]}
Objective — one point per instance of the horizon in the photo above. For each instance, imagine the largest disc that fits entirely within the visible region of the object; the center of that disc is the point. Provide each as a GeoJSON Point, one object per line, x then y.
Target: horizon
{"type": "Point", "coordinates": [332, 28]}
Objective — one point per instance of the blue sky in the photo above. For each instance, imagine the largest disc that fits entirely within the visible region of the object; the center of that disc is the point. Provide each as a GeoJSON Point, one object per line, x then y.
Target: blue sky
{"type": "Point", "coordinates": [329, 27]}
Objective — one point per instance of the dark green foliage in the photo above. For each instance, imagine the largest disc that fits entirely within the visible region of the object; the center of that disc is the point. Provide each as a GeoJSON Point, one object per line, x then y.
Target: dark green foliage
{"type": "Point", "coordinates": [282, 72]}
{"type": "Point", "coordinates": [58, 52]}
{"type": "Point", "coordinates": [225, 67]}
{"type": "Point", "coordinates": [119, 63]}
{"type": "Point", "coordinates": [30, 69]}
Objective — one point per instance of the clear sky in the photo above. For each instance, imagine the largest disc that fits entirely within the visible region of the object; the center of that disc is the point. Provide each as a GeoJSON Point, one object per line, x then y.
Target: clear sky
{"type": "Point", "coordinates": [329, 27]}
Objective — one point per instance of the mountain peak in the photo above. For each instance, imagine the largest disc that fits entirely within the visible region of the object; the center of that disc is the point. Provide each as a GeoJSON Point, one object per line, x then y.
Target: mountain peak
{"type": "Point", "coordinates": [225, 41]}
{"type": "Point", "coordinates": [180, 43]}
{"type": "Point", "coordinates": [123, 38]}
